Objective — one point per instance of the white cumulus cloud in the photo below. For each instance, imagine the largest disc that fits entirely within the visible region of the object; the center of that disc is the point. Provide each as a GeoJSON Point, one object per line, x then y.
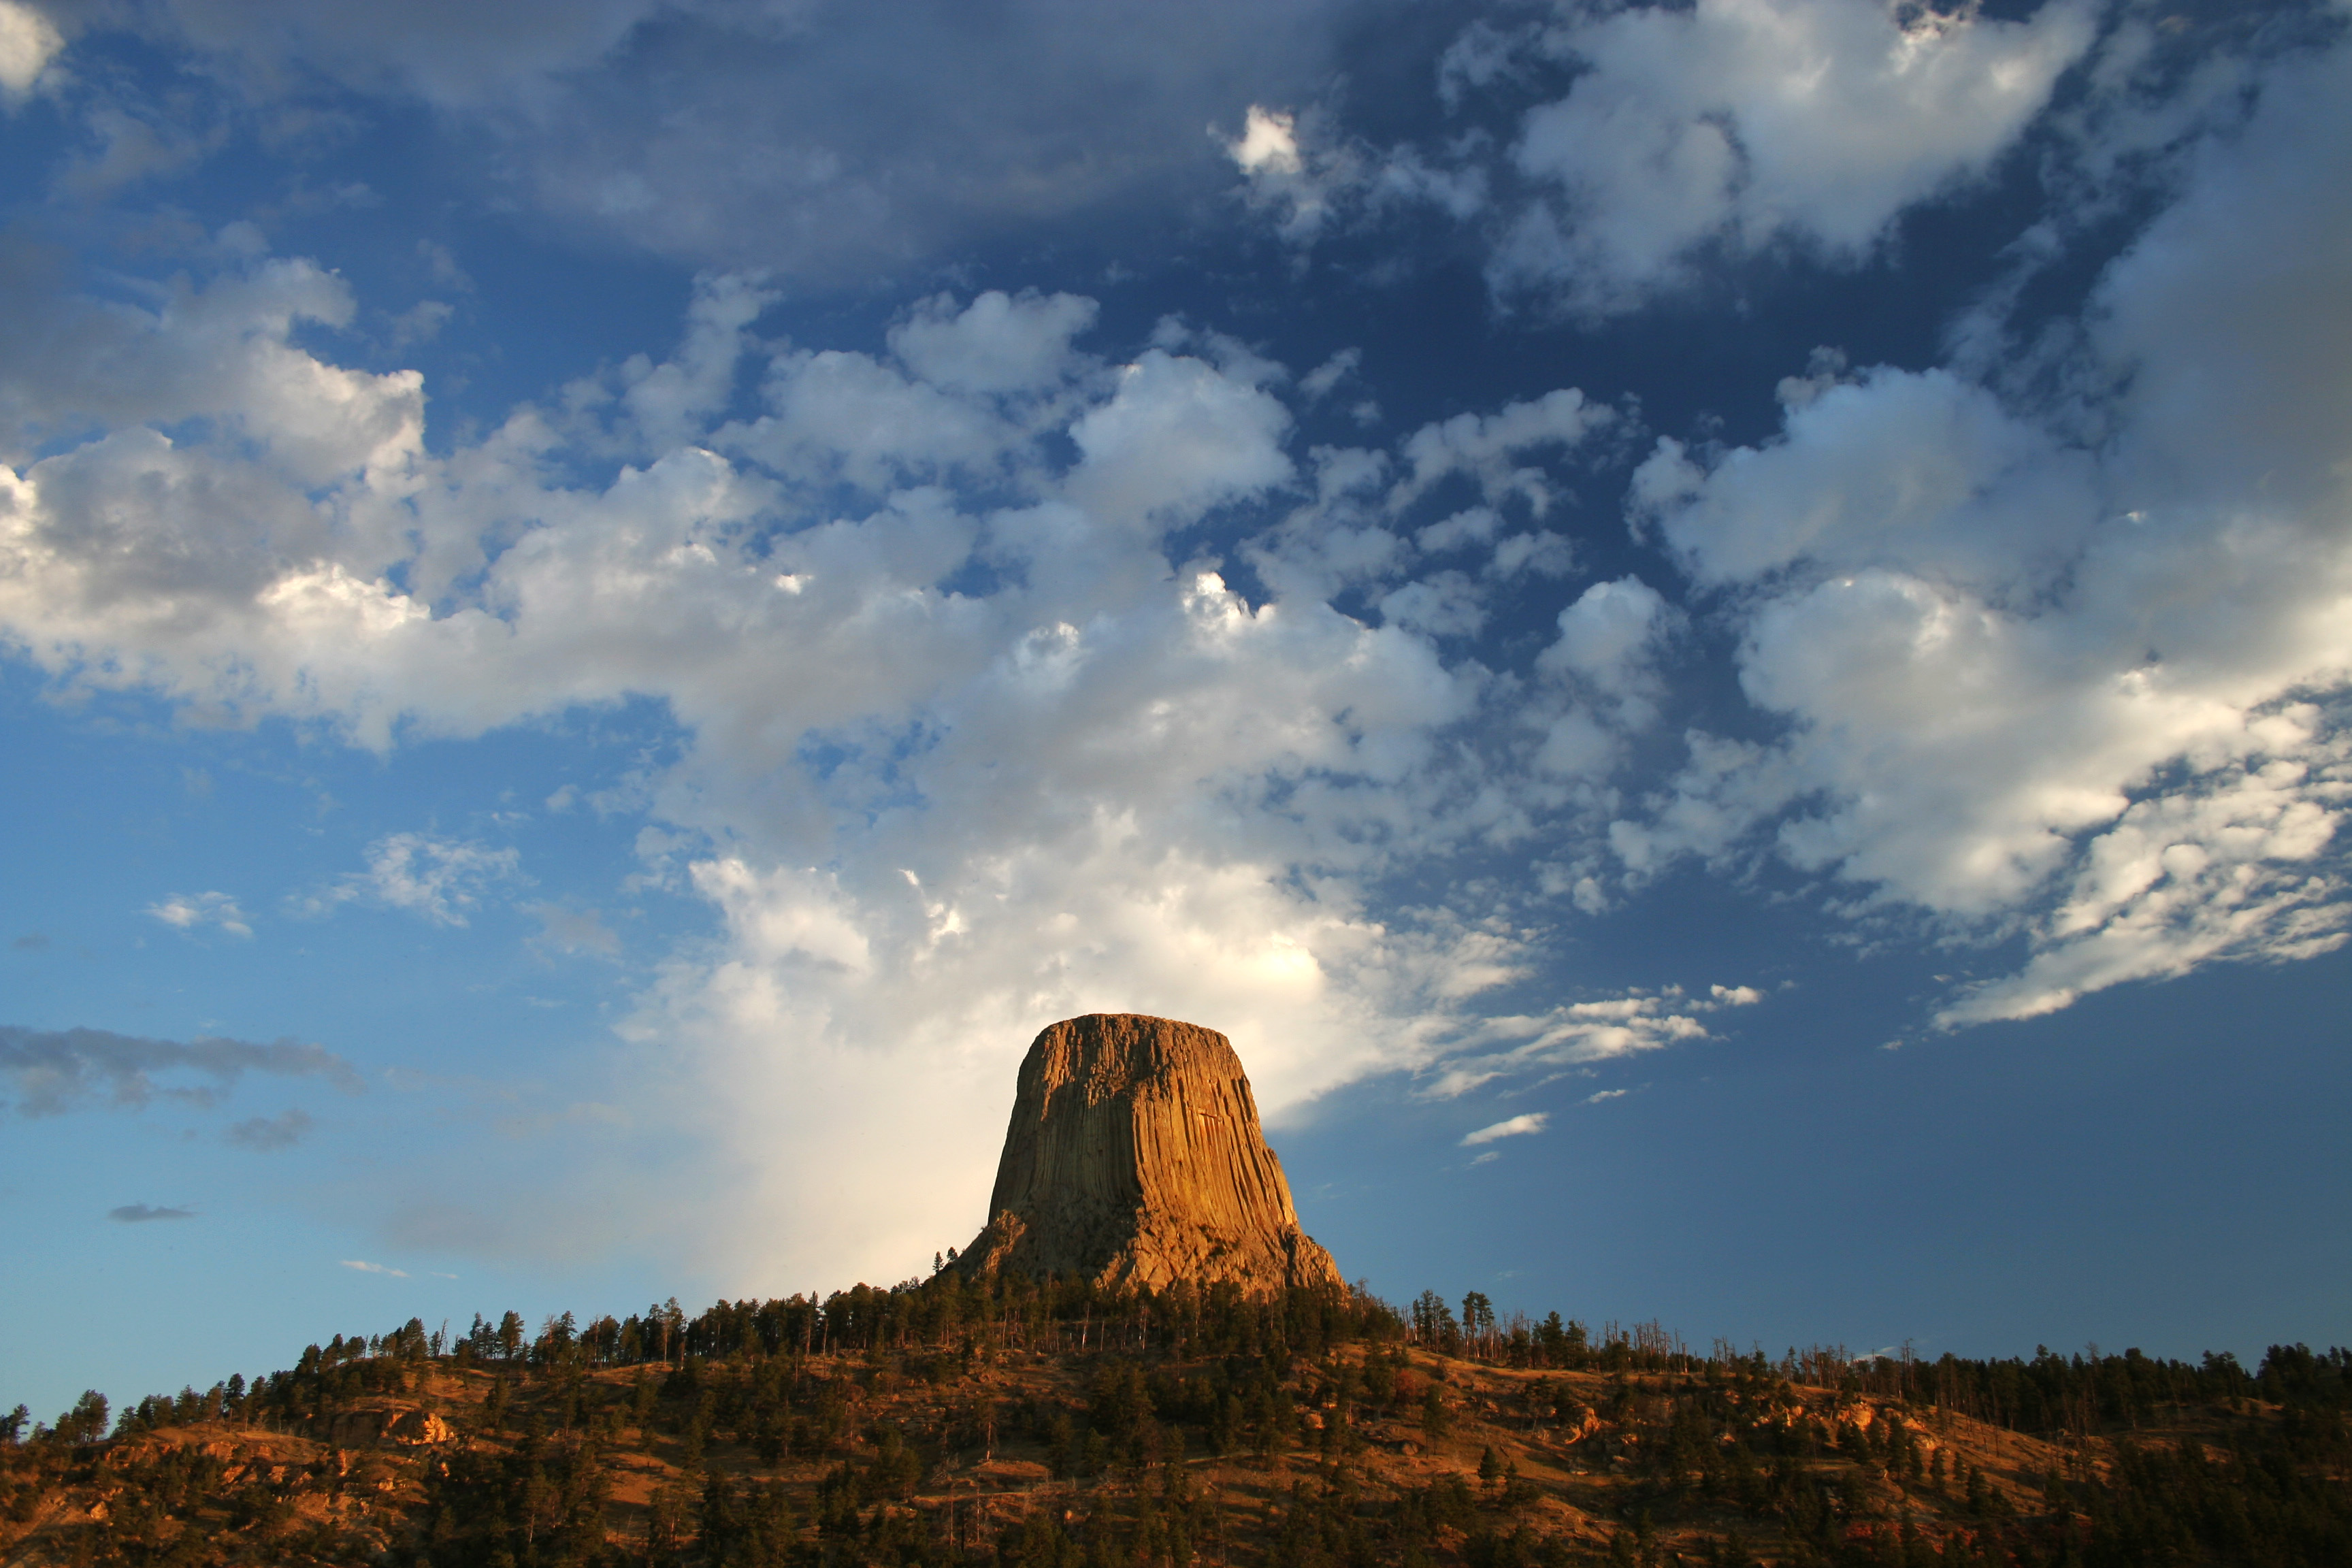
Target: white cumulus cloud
{"type": "Point", "coordinates": [2090, 691]}
{"type": "Point", "coordinates": [189, 912]}
{"type": "Point", "coordinates": [1737, 124]}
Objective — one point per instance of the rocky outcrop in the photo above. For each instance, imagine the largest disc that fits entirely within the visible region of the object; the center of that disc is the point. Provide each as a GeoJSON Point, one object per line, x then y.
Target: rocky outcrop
{"type": "Point", "coordinates": [1135, 1157]}
{"type": "Point", "coordinates": [417, 1428]}
{"type": "Point", "coordinates": [378, 1425]}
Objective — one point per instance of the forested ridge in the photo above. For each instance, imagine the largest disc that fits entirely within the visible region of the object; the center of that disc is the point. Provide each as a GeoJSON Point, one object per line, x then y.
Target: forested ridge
{"type": "Point", "coordinates": [1007, 1423]}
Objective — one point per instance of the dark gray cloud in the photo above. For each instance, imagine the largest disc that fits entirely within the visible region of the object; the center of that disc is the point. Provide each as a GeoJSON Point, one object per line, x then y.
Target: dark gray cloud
{"type": "Point", "coordinates": [449, 53]}
{"type": "Point", "coordinates": [902, 133]}
{"type": "Point", "coordinates": [140, 1213]}
{"type": "Point", "coordinates": [824, 140]}
{"type": "Point", "coordinates": [52, 1071]}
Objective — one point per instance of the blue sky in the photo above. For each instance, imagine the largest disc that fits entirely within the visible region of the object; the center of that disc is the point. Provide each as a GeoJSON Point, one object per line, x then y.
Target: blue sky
{"type": "Point", "coordinates": [1717, 636]}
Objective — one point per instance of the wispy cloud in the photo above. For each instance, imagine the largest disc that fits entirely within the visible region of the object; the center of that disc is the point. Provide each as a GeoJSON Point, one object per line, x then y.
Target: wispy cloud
{"type": "Point", "coordinates": [268, 1133]}
{"type": "Point", "coordinates": [56, 1070]}
{"type": "Point", "coordinates": [1605, 1094]}
{"type": "Point", "coordinates": [140, 1213]}
{"type": "Point", "coordinates": [192, 911]}
{"type": "Point", "coordinates": [1578, 1032]}
{"type": "Point", "coordinates": [1514, 1127]}
{"type": "Point", "coordinates": [574, 930]}
{"type": "Point", "coordinates": [441, 880]}
{"type": "Point", "coordinates": [363, 1266]}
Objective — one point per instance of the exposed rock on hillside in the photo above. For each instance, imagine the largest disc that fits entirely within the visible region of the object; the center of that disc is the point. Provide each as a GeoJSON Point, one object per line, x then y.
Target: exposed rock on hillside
{"type": "Point", "coordinates": [1135, 1156]}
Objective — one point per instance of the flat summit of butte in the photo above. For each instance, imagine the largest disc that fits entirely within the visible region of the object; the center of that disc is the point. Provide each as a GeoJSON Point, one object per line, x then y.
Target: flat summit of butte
{"type": "Point", "coordinates": [1135, 1157]}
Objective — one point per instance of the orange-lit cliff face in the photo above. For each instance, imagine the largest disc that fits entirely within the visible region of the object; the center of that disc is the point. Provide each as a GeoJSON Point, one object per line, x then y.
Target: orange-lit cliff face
{"type": "Point", "coordinates": [1135, 1156]}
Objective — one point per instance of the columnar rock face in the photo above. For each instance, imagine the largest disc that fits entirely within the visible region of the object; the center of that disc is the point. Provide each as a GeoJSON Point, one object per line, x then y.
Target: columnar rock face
{"type": "Point", "coordinates": [1135, 1157]}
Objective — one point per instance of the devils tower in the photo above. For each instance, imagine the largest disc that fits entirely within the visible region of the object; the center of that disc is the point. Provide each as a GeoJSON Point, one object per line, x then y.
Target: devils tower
{"type": "Point", "coordinates": [1135, 1157]}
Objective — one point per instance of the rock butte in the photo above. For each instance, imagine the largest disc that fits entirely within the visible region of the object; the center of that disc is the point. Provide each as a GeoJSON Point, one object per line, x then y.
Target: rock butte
{"type": "Point", "coordinates": [1135, 1158]}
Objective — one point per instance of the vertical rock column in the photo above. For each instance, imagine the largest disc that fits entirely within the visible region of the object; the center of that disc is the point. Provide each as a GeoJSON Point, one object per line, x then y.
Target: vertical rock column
{"type": "Point", "coordinates": [1135, 1156]}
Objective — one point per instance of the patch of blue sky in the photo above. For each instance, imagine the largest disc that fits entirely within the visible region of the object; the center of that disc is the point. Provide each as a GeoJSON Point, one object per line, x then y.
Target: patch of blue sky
{"type": "Point", "coordinates": [2101, 1179]}
{"type": "Point", "coordinates": [394, 963]}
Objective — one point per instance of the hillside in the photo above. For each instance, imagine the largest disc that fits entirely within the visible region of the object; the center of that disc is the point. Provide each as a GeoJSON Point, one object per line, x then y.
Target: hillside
{"type": "Point", "coordinates": [947, 1423]}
